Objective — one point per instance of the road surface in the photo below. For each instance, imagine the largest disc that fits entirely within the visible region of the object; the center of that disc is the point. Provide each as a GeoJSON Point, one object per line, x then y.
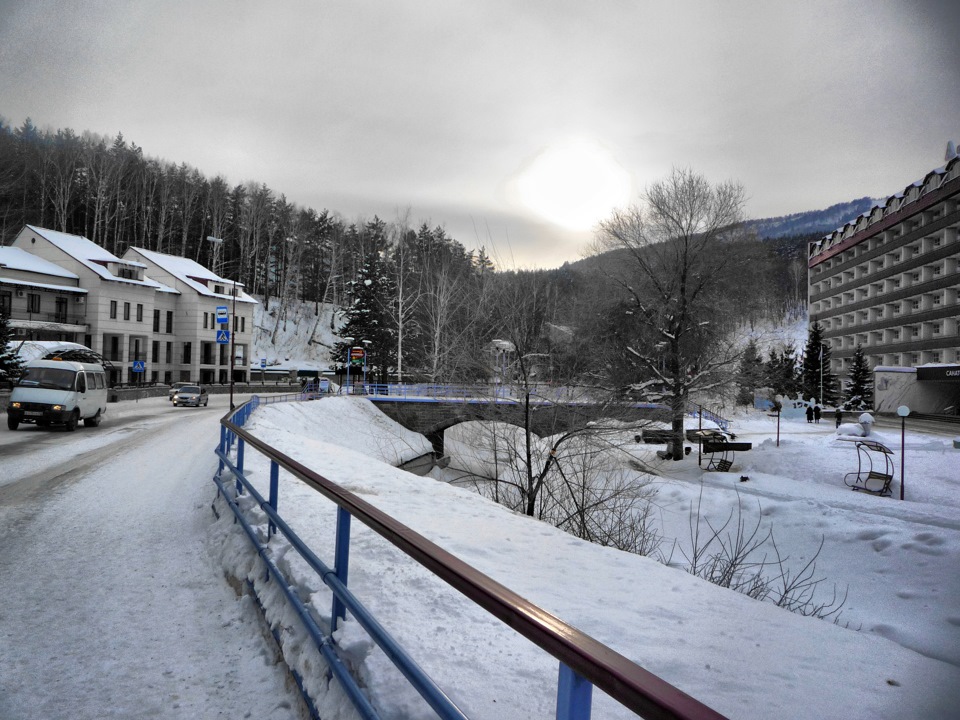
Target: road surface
{"type": "Point", "coordinates": [112, 606]}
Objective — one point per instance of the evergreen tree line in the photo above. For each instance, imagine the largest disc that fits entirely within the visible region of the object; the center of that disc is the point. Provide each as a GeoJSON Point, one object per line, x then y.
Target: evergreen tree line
{"type": "Point", "coordinates": [112, 193]}
{"type": "Point", "coordinates": [808, 376]}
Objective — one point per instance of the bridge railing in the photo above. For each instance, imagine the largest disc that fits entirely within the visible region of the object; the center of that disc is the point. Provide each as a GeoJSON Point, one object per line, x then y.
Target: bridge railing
{"type": "Point", "coordinates": [584, 662]}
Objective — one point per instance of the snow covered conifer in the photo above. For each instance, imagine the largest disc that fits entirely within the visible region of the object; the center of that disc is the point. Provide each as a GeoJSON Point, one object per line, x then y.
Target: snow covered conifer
{"type": "Point", "coordinates": [858, 389]}
{"type": "Point", "coordinates": [9, 360]}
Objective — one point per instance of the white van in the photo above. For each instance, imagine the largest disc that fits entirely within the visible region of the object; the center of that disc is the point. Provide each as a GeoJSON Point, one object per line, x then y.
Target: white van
{"type": "Point", "coordinates": [53, 392]}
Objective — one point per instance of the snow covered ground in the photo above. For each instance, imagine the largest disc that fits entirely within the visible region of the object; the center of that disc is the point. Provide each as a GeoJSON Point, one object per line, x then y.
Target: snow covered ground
{"type": "Point", "coordinates": [894, 654]}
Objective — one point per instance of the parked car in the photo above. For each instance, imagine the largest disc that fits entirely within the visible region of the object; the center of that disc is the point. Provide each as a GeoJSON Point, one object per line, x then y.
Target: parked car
{"type": "Point", "coordinates": [174, 388]}
{"type": "Point", "coordinates": [194, 395]}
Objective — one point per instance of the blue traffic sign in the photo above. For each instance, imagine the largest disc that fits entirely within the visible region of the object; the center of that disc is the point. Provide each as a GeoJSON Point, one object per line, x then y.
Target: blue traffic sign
{"type": "Point", "coordinates": [223, 337]}
{"type": "Point", "coordinates": [138, 366]}
{"type": "Point", "coordinates": [263, 363]}
{"type": "Point", "coordinates": [222, 314]}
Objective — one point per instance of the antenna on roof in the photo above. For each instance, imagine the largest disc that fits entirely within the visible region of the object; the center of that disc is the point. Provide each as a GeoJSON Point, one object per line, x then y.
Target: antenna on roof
{"type": "Point", "coordinates": [951, 151]}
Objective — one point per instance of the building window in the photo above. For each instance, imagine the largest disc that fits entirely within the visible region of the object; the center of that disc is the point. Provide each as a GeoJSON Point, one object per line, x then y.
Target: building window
{"type": "Point", "coordinates": [126, 311]}
{"type": "Point", "coordinates": [156, 321]}
{"type": "Point", "coordinates": [170, 321]}
{"type": "Point", "coordinates": [187, 353]}
{"type": "Point", "coordinates": [6, 301]}
{"type": "Point", "coordinates": [169, 354]}
{"type": "Point", "coordinates": [243, 324]}
{"type": "Point", "coordinates": [155, 351]}
{"type": "Point", "coordinates": [33, 303]}
{"type": "Point", "coordinates": [113, 309]}
{"type": "Point", "coordinates": [139, 312]}
{"type": "Point", "coordinates": [204, 321]}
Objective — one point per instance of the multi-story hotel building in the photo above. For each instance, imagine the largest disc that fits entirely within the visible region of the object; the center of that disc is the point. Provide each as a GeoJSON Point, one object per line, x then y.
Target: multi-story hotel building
{"type": "Point", "coordinates": [889, 282]}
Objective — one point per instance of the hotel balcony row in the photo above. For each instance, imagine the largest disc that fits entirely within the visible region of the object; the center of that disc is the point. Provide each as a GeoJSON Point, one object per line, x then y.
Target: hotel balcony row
{"type": "Point", "coordinates": [899, 268]}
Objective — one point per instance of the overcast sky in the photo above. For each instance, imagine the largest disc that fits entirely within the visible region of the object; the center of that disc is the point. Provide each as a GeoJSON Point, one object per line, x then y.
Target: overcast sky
{"type": "Point", "coordinates": [514, 124]}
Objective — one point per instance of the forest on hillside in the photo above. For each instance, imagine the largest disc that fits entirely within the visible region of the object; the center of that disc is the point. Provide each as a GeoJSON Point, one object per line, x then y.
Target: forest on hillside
{"type": "Point", "coordinates": [427, 306]}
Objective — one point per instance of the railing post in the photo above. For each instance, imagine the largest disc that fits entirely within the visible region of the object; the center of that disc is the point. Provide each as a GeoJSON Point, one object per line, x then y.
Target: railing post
{"type": "Point", "coordinates": [274, 492]}
{"type": "Point", "coordinates": [240, 446]}
{"type": "Point", "coordinates": [341, 564]}
{"type": "Point", "coordinates": [574, 695]}
{"type": "Point", "coordinates": [223, 447]}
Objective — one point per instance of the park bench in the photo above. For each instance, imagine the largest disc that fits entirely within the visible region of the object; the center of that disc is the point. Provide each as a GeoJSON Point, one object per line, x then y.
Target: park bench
{"type": "Point", "coordinates": [874, 468]}
{"type": "Point", "coordinates": [722, 453]}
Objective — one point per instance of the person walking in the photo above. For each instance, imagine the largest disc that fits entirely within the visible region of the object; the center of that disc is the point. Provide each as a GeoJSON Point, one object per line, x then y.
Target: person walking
{"type": "Point", "coordinates": [816, 414]}
{"type": "Point", "coordinates": [839, 416]}
{"type": "Point", "coordinates": [809, 414]}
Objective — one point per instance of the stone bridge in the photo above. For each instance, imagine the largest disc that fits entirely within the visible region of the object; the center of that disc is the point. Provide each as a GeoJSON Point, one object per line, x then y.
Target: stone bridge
{"type": "Point", "coordinates": [431, 416]}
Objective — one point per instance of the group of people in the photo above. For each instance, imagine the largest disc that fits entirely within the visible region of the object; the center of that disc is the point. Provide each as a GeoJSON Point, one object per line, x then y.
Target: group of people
{"type": "Point", "coordinates": [814, 413]}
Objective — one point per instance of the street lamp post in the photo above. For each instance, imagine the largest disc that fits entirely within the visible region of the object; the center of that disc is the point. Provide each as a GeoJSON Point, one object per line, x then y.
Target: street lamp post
{"type": "Point", "coordinates": [902, 411]}
{"type": "Point", "coordinates": [233, 344]}
{"type": "Point", "coordinates": [349, 341]}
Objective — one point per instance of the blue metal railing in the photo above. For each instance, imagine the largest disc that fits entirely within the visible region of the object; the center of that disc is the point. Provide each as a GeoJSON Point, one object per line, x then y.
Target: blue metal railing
{"type": "Point", "coordinates": [584, 662]}
{"type": "Point", "coordinates": [708, 414]}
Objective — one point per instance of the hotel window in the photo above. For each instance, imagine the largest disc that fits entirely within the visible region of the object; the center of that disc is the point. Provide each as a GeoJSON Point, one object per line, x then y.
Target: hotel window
{"type": "Point", "coordinates": [33, 303]}
{"type": "Point", "coordinates": [139, 312]}
{"type": "Point", "coordinates": [155, 351]}
{"type": "Point", "coordinates": [915, 304]}
{"type": "Point", "coordinates": [937, 269]}
{"type": "Point", "coordinates": [937, 299]}
{"type": "Point", "coordinates": [156, 321]}
{"type": "Point", "coordinates": [113, 309]}
{"type": "Point", "coordinates": [126, 311]}
{"type": "Point", "coordinates": [243, 324]}
{"type": "Point", "coordinates": [204, 321]}
{"type": "Point", "coordinates": [169, 321]}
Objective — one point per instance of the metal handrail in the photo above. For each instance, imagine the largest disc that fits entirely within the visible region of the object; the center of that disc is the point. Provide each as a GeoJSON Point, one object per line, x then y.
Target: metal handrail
{"type": "Point", "coordinates": [623, 680]}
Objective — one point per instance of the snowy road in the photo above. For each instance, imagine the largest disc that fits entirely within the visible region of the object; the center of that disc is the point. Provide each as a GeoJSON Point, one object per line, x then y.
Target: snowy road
{"type": "Point", "coordinates": [111, 604]}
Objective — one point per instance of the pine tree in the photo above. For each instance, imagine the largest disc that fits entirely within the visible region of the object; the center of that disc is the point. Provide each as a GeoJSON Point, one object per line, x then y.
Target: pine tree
{"type": "Point", "coordinates": [858, 389]}
{"type": "Point", "coordinates": [816, 372]}
{"type": "Point", "coordinates": [9, 360]}
{"type": "Point", "coordinates": [751, 374]}
{"type": "Point", "coordinates": [369, 319]}
{"type": "Point", "coordinates": [781, 372]}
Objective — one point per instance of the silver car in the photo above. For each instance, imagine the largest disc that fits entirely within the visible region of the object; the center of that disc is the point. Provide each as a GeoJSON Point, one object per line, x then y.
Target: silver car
{"type": "Point", "coordinates": [194, 395]}
{"type": "Point", "coordinates": [175, 388]}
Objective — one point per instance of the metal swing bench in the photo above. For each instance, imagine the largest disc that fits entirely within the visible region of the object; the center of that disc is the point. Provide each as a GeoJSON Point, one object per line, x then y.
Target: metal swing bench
{"type": "Point", "coordinates": [869, 476]}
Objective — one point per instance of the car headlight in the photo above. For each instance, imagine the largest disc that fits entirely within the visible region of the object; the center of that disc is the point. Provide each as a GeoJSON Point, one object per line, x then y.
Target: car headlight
{"type": "Point", "coordinates": [57, 408]}
{"type": "Point", "coordinates": [15, 405]}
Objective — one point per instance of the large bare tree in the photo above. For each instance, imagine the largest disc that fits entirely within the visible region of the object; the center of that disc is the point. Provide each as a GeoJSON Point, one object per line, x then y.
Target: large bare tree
{"type": "Point", "coordinates": [674, 258]}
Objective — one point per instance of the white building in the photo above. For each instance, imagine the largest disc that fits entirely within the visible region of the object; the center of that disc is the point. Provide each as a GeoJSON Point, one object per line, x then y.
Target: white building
{"type": "Point", "coordinates": [42, 300]}
{"type": "Point", "coordinates": [199, 292]}
{"type": "Point", "coordinates": [133, 317]}
{"type": "Point", "coordinates": [889, 281]}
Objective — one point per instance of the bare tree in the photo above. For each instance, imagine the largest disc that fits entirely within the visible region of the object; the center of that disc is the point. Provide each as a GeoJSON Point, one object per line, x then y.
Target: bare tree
{"type": "Point", "coordinates": [673, 249]}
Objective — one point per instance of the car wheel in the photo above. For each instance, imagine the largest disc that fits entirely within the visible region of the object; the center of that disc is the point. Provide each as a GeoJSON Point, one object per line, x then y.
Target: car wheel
{"type": "Point", "coordinates": [92, 422]}
{"type": "Point", "coordinates": [12, 422]}
{"type": "Point", "coordinates": [71, 424]}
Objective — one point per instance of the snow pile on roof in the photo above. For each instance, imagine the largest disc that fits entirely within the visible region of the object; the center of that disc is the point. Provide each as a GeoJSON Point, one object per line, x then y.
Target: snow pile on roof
{"type": "Point", "coordinates": [88, 253]}
{"type": "Point", "coordinates": [192, 274]}
{"type": "Point", "coordinates": [16, 258]}
{"type": "Point", "coordinates": [36, 349]}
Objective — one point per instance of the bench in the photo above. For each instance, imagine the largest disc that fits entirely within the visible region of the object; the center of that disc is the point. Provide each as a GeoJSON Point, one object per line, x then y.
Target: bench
{"type": "Point", "coordinates": [722, 453]}
{"type": "Point", "coordinates": [868, 478]}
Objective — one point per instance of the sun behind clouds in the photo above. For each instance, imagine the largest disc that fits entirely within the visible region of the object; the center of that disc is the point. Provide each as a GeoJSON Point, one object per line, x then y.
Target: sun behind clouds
{"type": "Point", "coordinates": [574, 184]}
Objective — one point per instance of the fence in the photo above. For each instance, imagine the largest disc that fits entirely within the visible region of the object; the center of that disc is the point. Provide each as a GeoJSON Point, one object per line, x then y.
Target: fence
{"type": "Point", "coordinates": [584, 662]}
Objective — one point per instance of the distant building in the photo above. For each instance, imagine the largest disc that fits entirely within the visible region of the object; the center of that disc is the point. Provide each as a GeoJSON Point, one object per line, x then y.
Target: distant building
{"type": "Point", "coordinates": [43, 300]}
{"type": "Point", "coordinates": [150, 308]}
{"type": "Point", "coordinates": [889, 282]}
